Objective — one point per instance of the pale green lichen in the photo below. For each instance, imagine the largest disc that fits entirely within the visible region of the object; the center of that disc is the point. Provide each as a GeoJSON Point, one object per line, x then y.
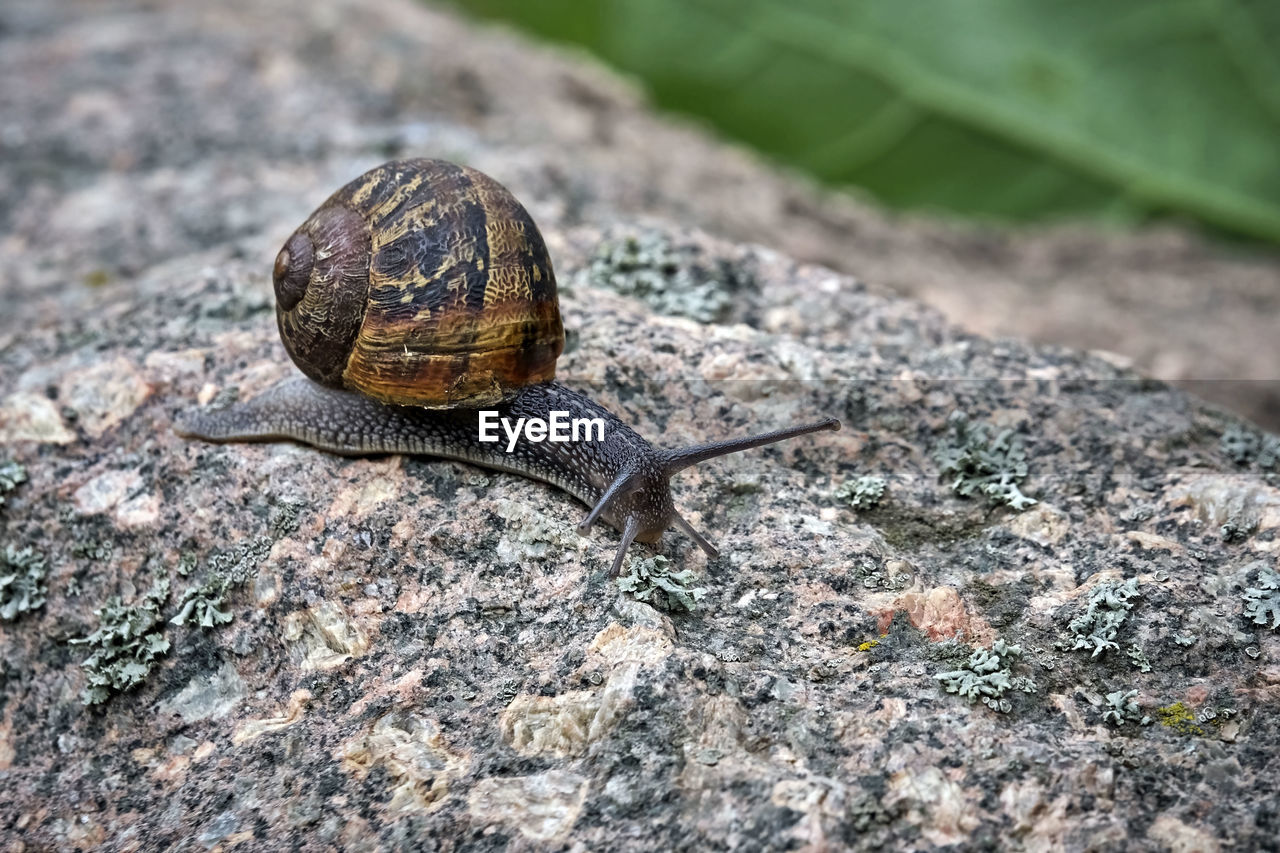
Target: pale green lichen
{"type": "Point", "coordinates": [987, 676]}
{"type": "Point", "coordinates": [652, 580]}
{"type": "Point", "coordinates": [241, 562]}
{"type": "Point", "coordinates": [11, 475]}
{"type": "Point", "coordinates": [126, 645]}
{"type": "Point", "coordinates": [1123, 707]}
{"type": "Point", "coordinates": [284, 518]}
{"type": "Point", "coordinates": [877, 576]}
{"type": "Point", "coordinates": [22, 581]}
{"type": "Point", "coordinates": [1109, 606]}
{"type": "Point", "coordinates": [862, 492]}
{"type": "Point", "coordinates": [1215, 716]}
{"type": "Point", "coordinates": [1138, 658]}
{"type": "Point", "coordinates": [130, 640]}
{"type": "Point", "coordinates": [200, 604]}
{"type": "Point", "coordinates": [1262, 602]}
{"type": "Point", "coordinates": [186, 564]}
{"type": "Point", "coordinates": [1238, 528]}
{"type": "Point", "coordinates": [92, 549]}
{"type": "Point", "coordinates": [669, 278]}
{"type": "Point", "coordinates": [1247, 446]}
{"type": "Point", "coordinates": [980, 461]}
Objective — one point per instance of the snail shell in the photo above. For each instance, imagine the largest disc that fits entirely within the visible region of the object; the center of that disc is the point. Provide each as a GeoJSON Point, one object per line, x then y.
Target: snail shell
{"type": "Point", "coordinates": [420, 283]}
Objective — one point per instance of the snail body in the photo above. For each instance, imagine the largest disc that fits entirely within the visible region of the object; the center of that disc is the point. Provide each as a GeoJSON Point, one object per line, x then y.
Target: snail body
{"type": "Point", "coordinates": [419, 295]}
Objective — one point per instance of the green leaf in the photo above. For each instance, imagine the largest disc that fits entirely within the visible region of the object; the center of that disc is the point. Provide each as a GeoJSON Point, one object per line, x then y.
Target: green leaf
{"type": "Point", "coordinates": [1006, 108]}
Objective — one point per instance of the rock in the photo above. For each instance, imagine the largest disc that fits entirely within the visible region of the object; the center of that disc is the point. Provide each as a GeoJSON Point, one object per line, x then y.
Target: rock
{"type": "Point", "coordinates": [25, 416]}
{"type": "Point", "coordinates": [422, 649]}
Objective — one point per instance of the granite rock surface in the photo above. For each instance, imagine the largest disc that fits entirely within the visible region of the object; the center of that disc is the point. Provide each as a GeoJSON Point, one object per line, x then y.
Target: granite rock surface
{"type": "Point", "coordinates": [385, 653]}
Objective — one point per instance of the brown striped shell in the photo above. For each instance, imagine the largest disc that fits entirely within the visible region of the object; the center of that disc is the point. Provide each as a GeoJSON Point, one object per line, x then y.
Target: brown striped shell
{"type": "Point", "coordinates": [420, 283]}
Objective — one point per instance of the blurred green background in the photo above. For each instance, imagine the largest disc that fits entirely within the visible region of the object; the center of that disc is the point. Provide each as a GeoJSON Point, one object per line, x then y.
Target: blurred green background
{"type": "Point", "coordinates": [1014, 110]}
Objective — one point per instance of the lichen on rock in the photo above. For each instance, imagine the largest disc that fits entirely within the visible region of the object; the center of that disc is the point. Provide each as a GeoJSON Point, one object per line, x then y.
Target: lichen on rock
{"type": "Point", "coordinates": [670, 278]}
{"type": "Point", "coordinates": [11, 475]}
{"type": "Point", "coordinates": [987, 675]}
{"type": "Point", "coordinates": [1262, 602]}
{"type": "Point", "coordinates": [978, 460]}
{"type": "Point", "coordinates": [23, 584]}
{"type": "Point", "coordinates": [127, 644]}
{"type": "Point", "coordinates": [1108, 607]}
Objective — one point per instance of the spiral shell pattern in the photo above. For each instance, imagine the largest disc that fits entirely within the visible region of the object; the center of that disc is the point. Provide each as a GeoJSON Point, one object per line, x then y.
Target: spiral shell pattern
{"type": "Point", "coordinates": [421, 283]}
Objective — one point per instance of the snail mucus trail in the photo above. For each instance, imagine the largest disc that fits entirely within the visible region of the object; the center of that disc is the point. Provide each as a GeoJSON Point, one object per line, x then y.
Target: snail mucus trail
{"type": "Point", "coordinates": [418, 296]}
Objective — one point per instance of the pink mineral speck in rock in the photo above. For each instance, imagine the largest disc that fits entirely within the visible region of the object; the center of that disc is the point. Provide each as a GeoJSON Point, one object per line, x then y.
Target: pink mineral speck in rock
{"type": "Point", "coordinates": [104, 394]}
{"type": "Point", "coordinates": [1197, 695]}
{"type": "Point", "coordinates": [105, 491]}
{"type": "Point", "coordinates": [27, 416]}
{"type": "Point", "coordinates": [123, 494]}
{"type": "Point", "coordinates": [940, 613]}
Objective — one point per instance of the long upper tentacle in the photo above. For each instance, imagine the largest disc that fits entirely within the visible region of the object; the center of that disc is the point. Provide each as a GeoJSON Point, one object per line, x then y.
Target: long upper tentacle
{"type": "Point", "coordinates": [679, 459]}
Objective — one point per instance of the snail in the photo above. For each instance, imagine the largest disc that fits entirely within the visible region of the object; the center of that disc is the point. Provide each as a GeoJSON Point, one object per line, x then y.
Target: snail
{"type": "Point", "coordinates": [412, 299]}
